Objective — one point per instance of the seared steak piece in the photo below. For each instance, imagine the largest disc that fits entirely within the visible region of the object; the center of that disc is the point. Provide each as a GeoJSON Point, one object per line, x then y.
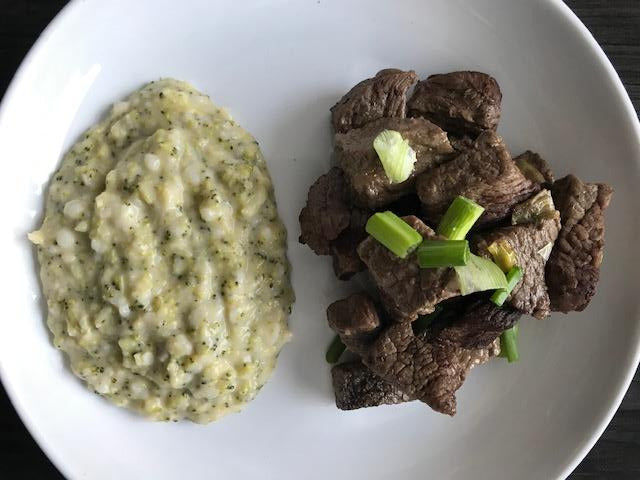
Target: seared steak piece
{"type": "Point", "coordinates": [384, 95]}
{"type": "Point", "coordinates": [356, 386]}
{"type": "Point", "coordinates": [429, 369]}
{"type": "Point", "coordinates": [356, 320]}
{"type": "Point", "coordinates": [531, 243]}
{"type": "Point", "coordinates": [327, 212]}
{"type": "Point", "coordinates": [363, 170]}
{"type": "Point", "coordinates": [407, 290]}
{"type": "Point", "coordinates": [477, 325]}
{"type": "Point", "coordinates": [574, 266]}
{"type": "Point", "coordinates": [461, 144]}
{"type": "Point", "coordinates": [459, 102]}
{"type": "Point", "coordinates": [535, 168]}
{"type": "Point", "coordinates": [485, 174]}
{"type": "Point", "coordinates": [344, 251]}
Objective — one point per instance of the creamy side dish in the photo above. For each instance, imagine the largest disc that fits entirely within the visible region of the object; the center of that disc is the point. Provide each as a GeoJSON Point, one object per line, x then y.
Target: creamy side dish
{"type": "Point", "coordinates": [163, 259]}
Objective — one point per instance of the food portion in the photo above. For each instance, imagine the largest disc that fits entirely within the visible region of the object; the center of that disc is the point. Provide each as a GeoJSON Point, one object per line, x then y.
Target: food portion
{"type": "Point", "coordinates": [574, 266]}
{"type": "Point", "coordinates": [163, 259]}
{"type": "Point", "coordinates": [485, 173]}
{"type": "Point", "coordinates": [381, 96]}
{"type": "Point", "coordinates": [462, 103]}
{"type": "Point", "coordinates": [458, 238]}
{"type": "Point", "coordinates": [369, 184]}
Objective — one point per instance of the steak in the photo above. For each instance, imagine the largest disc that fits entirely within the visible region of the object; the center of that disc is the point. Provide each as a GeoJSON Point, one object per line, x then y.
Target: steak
{"type": "Point", "coordinates": [573, 269]}
{"type": "Point", "coordinates": [476, 325]}
{"type": "Point", "coordinates": [370, 186]}
{"type": "Point", "coordinates": [458, 102]}
{"type": "Point", "coordinates": [384, 95]}
{"type": "Point", "coordinates": [356, 320]}
{"type": "Point", "coordinates": [327, 212]}
{"type": "Point", "coordinates": [406, 290]}
{"type": "Point", "coordinates": [428, 369]}
{"type": "Point", "coordinates": [356, 386]}
{"type": "Point", "coordinates": [535, 168]}
{"type": "Point", "coordinates": [485, 174]}
{"type": "Point", "coordinates": [531, 243]}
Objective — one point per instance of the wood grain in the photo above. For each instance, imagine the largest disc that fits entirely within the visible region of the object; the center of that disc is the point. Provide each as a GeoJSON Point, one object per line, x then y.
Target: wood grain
{"type": "Point", "coordinates": [616, 26]}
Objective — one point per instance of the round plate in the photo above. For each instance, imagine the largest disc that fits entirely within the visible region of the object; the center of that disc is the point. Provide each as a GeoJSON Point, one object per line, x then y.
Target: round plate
{"type": "Point", "coordinates": [279, 65]}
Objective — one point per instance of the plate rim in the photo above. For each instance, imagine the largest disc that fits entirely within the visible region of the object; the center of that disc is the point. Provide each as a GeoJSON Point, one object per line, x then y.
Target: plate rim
{"type": "Point", "coordinates": [560, 8]}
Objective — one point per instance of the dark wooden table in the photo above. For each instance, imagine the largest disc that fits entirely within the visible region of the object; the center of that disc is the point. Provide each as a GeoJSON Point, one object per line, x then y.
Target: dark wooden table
{"type": "Point", "coordinates": [616, 26]}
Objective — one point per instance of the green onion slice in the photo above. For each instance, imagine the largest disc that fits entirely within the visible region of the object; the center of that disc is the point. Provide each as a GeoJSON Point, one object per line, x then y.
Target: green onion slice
{"type": "Point", "coordinates": [335, 350]}
{"type": "Point", "coordinates": [393, 232]}
{"type": "Point", "coordinates": [538, 207]}
{"type": "Point", "coordinates": [395, 154]}
{"type": "Point", "coordinates": [513, 277]}
{"type": "Point", "coordinates": [545, 251]}
{"type": "Point", "coordinates": [459, 218]}
{"type": "Point", "coordinates": [503, 255]}
{"type": "Point", "coordinates": [443, 253]}
{"type": "Point", "coordinates": [479, 275]}
{"type": "Point", "coordinates": [509, 344]}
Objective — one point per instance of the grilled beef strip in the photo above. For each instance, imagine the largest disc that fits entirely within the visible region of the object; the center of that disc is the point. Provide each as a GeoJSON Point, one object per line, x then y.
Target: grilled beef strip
{"type": "Point", "coordinates": [384, 95]}
{"type": "Point", "coordinates": [573, 269]}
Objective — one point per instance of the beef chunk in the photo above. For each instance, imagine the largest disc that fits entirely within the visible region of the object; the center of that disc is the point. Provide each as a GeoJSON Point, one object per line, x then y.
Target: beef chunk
{"type": "Point", "coordinates": [406, 289]}
{"type": "Point", "coordinates": [356, 320]}
{"type": "Point", "coordinates": [476, 325]}
{"type": "Point", "coordinates": [363, 170]}
{"type": "Point", "coordinates": [458, 102]}
{"type": "Point", "coordinates": [535, 168]}
{"type": "Point", "coordinates": [485, 174]}
{"type": "Point", "coordinates": [461, 144]}
{"type": "Point", "coordinates": [531, 243]}
{"type": "Point", "coordinates": [574, 266]}
{"type": "Point", "coordinates": [431, 370]}
{"type": "Point", "coordinates": [344, 251]}
{"type": "Point", "coordinates": [327, 212]}
{"type": "Point", "coordinates": [356, 386]}
{"type": "Point", "coordinates": [384, 95]}
{"type": "Point", "coordinates": [346, 261]}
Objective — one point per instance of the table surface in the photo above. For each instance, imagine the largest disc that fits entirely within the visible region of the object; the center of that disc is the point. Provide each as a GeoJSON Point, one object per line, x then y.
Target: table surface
{"type": "Point", "coordinates": [616, 26]}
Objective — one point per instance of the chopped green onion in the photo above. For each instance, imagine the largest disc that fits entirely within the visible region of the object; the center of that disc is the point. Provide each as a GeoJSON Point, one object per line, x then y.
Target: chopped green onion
{"type": "Point", "coordinates": [459, 218]}
{"type": "Point", "coordinates": [479, 275]}
{"type": "Point", "coordinates": [538, 207]}
{"type": "Point", "coordinates": [509, 344]}
{"type": "Point", "coordinates": [529, 170]}
{"type": "Point", "coordinates": [545, 251]}
{"type": "Point", "coordinates": [503, 254]}
{"type": "Point", "coordinates": [513, 277]}
{"type": "Point", "coordinates": [443, 253]}
{"type": "Point", "coordinates": [423, 321]}
{"type": "Point", "coordinates": [393, 232]}
{"type": "Point", "coordinates": [395, 154]}
{"type": "Point", "coordinates": [335, 350]}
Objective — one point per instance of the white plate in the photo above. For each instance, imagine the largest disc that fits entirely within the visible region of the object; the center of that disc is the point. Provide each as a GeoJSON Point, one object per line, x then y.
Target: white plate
{"type": "Point", "coordinates": [279, 65]}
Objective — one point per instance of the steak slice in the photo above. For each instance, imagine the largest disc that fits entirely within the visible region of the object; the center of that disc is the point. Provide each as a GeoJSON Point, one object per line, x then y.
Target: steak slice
{"type": "Point", "coordinates": [344, 249]}
{"type": "Point", "coordinates": [384, 95]}
{"type": "Point", "coordinates": [370, 186]}
{"type": "Point", "coordinates": [476, 325]}
{"type": "Point", "coordinates": [573, 269]}
{"type": "Point", "coordinates": [531, 242]}
{"type": "Point", "coordinates": [356, 320]}
{"type": "Point", "coordinates": [356, 386]}
{"type": "Point", "coordinates": [429, 369]}
{"type": "Point", "coordinates": [406, 290]}
{"type": "Point", "coordinates": [458, 102]}
{"type": "Point", "coordinates": [535, 168]}
{"type": "Point", "coordinates": [327, 212]}
{"type": "Point", "coordinates": [485, 174]}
